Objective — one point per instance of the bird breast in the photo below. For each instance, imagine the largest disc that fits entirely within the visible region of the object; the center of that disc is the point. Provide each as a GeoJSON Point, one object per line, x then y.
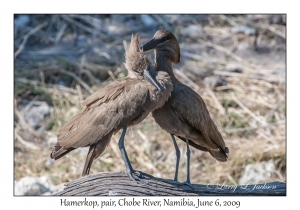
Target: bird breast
{"type": "Point", "coordinates": [155, 98]}
{"type": "Point", "coordinates": [163, 79]}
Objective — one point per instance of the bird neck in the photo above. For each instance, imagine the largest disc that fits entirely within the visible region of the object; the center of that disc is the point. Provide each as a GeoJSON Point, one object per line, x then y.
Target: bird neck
{"type": "Point", "coordinates": [162, 63]}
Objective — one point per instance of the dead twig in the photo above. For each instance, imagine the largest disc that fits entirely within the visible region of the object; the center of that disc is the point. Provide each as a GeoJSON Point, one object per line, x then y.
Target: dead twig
{"type": "Point", "coordinates": [142, 135]}
{"type": "Point", "coordinates": [94, 22]}
{"type": "Point", "coordinates": [192, 56]}
{"type": "Point", "coordinates": [79, 93]}
{"type": "Point", "coordinates": [23, 121]}
{"type": "Point", "coordinates": [231, 54]}
{"type": "Point", "coordinates": [26, 144]}
{"type": "Point", "coordinates": [161, 21]}
{"type": "Point", "coordinates": [27, 36]}
{"type": "Point", "coordinates": [67, 18]}
{"type": "Point", "coordinates": [279, 33]}
{"type": "Point", "coordinates": [92, 78]}
{"type": "Point", "coordinates": [269, 78]}
{"type": "Point", "coordinates": [125, 45]}
{"type": "Point", "coordinates": [228, 87]}
{"type": "Point", "coordinates": [94, 67]}
{"type": "Point", "coordinates": [216, 101]}
{"type": "Point", "coordinates": [26, 81]}
{"type": "Point", "coordinates": [191, 83]}
{"type": "Point", "coordinates": [222, 49]}
{"type": "Point", "coordinates": [78, 80]}
{"type": "Point", "coordinates": [114, 145]}
{"type": "Point", "coordinates": [111, 74]}
{"type": "Point", "coordinates": [229, 20]}
{"type": "Point", "coordinates": [60, 33]}
{"type": "Point", "coordinates": [235, 130]}
{"type": "Point", "coordinates": [258, 119]}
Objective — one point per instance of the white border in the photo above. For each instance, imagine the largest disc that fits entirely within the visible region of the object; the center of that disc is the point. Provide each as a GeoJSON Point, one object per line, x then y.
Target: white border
{"type": "Point", "coordinates": [153, 6]}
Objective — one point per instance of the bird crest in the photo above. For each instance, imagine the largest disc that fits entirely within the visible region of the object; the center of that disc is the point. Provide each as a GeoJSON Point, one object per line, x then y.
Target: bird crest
{"type": "Point", "coordinates": [136, 60]}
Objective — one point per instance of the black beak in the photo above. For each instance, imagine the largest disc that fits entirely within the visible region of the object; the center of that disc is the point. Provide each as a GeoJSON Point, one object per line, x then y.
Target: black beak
{"type": "Point", "coordinates": [149, 78]}
{"type": "Point", "coordinates": [150, 45]}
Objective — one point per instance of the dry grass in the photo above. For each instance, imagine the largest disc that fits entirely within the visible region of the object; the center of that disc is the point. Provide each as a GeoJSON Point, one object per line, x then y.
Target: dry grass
{"type": "Point", "coordinates": [249, 110]}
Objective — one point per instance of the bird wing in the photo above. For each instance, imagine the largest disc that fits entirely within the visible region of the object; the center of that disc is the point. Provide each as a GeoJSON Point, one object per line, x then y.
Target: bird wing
{"type": "Point", "coordinates": [110, 108]}
{"type": "Point", "coordinates": [109, 92]}
{"type": "Point", "coordinates": [191, 108]}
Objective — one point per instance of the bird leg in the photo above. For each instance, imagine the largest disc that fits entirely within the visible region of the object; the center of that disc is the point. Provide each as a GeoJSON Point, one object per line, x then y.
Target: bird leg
{"type": "Point", "coordinates": [188, 155]}
{"type": "Point", "coordinates": [128, 166]}
{"type": "Point", "coordinates": [177, 157]}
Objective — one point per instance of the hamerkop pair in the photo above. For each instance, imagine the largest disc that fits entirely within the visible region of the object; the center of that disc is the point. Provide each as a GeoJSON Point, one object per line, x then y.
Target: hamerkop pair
{"type": "Point", "coordinates": [124, 102]}
{"type": "Point", "coordinates": [185, 114]}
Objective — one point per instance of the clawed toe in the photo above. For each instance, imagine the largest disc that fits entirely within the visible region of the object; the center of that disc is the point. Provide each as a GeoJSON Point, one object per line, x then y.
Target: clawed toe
{"type": "Point", "coordinates": [136, 177]}
{"type": "Point", "coordinates": [188, 183]}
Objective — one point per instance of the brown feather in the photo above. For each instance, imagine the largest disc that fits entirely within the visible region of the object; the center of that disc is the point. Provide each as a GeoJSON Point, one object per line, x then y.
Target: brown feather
{"type": "Point", "coordinates": [185, 113]}
{"type": "Point", "coordinates": [94, 151]}
{"type": "Point", "coordinates": [124, 102]}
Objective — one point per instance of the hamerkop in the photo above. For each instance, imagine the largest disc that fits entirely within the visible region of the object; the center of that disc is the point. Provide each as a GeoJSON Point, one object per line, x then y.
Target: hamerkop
{"type": "Point", "coordinates": [124, 102]}
{"type": "Point", "coordinates": [185, 114]}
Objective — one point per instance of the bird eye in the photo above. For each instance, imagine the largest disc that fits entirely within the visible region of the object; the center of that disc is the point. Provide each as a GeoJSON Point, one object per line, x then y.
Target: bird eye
{"type": "Point", "coordinates": [164, 39]}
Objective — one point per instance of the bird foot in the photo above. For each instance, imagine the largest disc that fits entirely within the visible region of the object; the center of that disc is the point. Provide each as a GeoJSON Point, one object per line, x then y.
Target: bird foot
{"type": "Point", "coordinates": [136, 177]}
{"type": "Point", "coordinates": [176, 179]}
{"type": "Point", "coordinates": [188, 183]}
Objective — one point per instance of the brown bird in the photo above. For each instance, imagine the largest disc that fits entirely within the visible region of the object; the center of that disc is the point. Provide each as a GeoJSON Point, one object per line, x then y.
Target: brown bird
{"type": "Point", "coordinates": [185, 114]}
{"type": "Point", "coordinates": [124, 102]}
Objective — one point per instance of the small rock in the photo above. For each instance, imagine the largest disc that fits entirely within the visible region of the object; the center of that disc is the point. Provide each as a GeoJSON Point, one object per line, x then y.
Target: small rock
{"type": "Point", "coordinates": [81, 152]}
{"type": "Point", "coordinates": [114, 29]}
{"type": "Point", "coordinates": [57, 188]}
{"type": "Point", "coordinates": [278, 19]}
{"type": "Point", "coordinates": [280, 72]}
{"type": "Point", "coordinates": [37, 186]}
{"type": "Point", "coordinates": [112, 193]}
{"type": "Point", "coordinates": [271, 90]}
{"type": "Point", "coordinates": [193, 31]}
{"type": "Point", "coordinates": [194, 68]}
{"type": "Point", "coordinates": [234, 67]}
{"type": "Point", "coordinates": [147, 20]}
{"type": "Point", "coordinates": [258, 172]}
{"type": "Point", "coordinates": [29, 186]}
{"type": "Point", "coordinates": [49, 162]}
{"type": "Point", "coordinates": [82, 37]}
{"type": "Point", "coordinates": [243, 29]}
{"type": "Point", "coordinates": [214, 81]}
{"type": "Point", "coordinates": [61, 83]}
{"type": "Point", "coordinates": [243, 46]}
{"type": "Point", "coordinates": [51, 140]}
{"type": "Point", "coordinates": [172, 18]}
{"type": "Point", "coordinates": [21, 21]}
{"type": "Point", "coordinates": [35, 113]}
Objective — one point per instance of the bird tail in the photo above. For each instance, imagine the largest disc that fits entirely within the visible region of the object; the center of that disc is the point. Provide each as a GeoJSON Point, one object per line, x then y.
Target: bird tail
{"type": "Point", "coordinates": [59, 151]}
{"type": "Point", "coordinates": [94, 152]}
{"type": "Point", "coordinates": [89, 160]}
{"type": "Point", "coordinates": [220, 154]}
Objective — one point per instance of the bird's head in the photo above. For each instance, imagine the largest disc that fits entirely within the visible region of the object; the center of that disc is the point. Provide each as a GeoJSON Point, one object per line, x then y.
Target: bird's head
{"type": "Point", "coordinates": [137, 62]}
{"type": "Point", "coordinates": [166, 44]}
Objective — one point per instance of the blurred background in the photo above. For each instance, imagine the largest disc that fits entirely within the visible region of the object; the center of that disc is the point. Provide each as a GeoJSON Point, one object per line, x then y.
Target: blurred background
{"type": "Point", "coordinates": [237, 63]}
